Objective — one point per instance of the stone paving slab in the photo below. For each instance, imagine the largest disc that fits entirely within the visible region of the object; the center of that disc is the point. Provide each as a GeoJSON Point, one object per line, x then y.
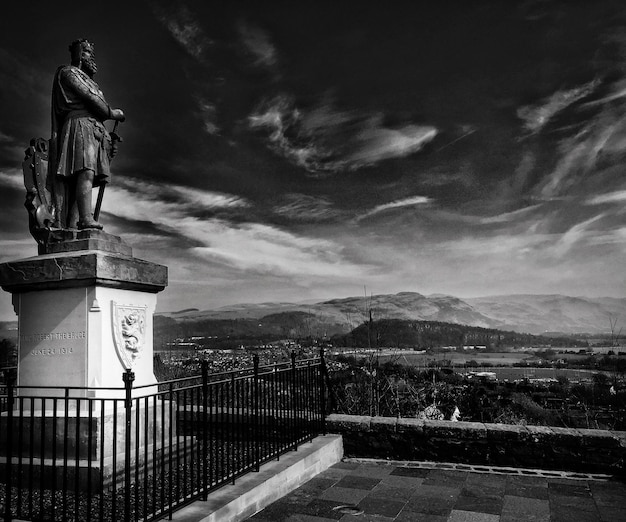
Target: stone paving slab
{"type": "Point", "coordinates": [412, 492]}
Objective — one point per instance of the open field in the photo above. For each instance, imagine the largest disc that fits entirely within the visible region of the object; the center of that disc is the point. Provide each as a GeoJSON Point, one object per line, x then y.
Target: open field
{"type": "Point", "coordinates": [499, 363]}
{"type": "Point", "coordinates": [456, 358]}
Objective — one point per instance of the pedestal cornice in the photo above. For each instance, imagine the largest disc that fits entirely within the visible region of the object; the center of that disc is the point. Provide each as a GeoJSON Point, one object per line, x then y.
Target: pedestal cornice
{"type": "Point", "coordinates": [82, 268]}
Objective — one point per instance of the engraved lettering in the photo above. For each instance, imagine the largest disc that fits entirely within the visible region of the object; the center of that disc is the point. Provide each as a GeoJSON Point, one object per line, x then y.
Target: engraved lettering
{"type": "Point", "coordinates": [65, 350]}
{"type": "Point", "coordinates": [54, 336]}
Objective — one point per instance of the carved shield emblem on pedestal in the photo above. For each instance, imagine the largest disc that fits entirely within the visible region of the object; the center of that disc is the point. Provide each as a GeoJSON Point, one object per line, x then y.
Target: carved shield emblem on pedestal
{"type": "Point", "coordinates": [129, 328]}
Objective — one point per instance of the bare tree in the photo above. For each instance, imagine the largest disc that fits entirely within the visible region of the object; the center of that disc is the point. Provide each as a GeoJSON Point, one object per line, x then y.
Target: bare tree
{"type": "Point", "coordinates": [614, 337]}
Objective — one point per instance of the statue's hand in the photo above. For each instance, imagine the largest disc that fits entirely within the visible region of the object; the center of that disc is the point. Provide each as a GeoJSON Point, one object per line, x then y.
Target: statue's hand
{"type": "Point", "coordinates": [113, 151]}
{"type": "Point", "coordinates": [117, 114]}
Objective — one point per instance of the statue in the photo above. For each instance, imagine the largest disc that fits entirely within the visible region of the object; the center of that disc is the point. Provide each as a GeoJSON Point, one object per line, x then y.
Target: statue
{"type": "Point", "coordinates": [59, 175]}
{"type": "Point", "coordinates": [81, 147]}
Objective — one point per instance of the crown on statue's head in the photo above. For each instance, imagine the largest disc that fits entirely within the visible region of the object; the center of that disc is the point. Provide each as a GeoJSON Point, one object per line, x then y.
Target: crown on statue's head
{"type": "Point", "coordinates": [77, 47]}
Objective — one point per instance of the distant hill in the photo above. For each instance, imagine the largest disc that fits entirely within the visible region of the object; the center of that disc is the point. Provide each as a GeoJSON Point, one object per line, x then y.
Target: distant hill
{"type": "Point", "coordinates": [533, 314]}
{"type": "Point", "coordinates": [400, 333]}
{"type": "Point", "coordinates": [544, 313]}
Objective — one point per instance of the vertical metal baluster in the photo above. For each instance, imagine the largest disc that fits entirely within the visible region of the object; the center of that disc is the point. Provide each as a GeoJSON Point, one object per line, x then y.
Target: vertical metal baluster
{"type": "Point", "coordinates": [42, 444]}
{"type": "Point", "coordinates": [205, 442]}
{"type": "Point", "coordinates": [177, 394]}
{"type": "Point", "coordinates": [30, 454]}
{"type": "Point", "coordinates": [293, 401]}
{"type": "Point", "coordinates": [101, 474]}
{"type": "Point", "coordinates": [236, 433]}
{"type": "Point", "coordinates": [244, 458]}
{"type": "Point", "coordinates": [137, 439]}
{"type": "Point", "coordinates": [114, 442]}
{"type": "Point", "coordinates": [230, 401]}
{"type": "Point", "coordinates": [186, 425]}
{"type": "Point", "coordinates": [212, 461]}
{"type": "Point", "coordinates": [9, 466]}
{"type": "Point", "coordinates": [256, 439]}
{"type": "Point", "coordinates": [53, 487]}
{"type": "Point", "coordinates": [128, 377]}
{"type": "Point", "coordinates": [196, 446]}
{"type": "Point", "coordinates": [322, 375]}
{"type": "Point", "coordinates": [306, 401]}
{"type": "Point", "coordinates": [66, 419]}
{"type": "Point", "coordinates": [300, 405]}
{"type": "Point", "coordinates": [275, 427]}
{"type": "Point", "coordinates": [164, 451]}
{"type": "Point", "coordinates": [77, 461]}
{"type": "Point", "coordinates": [146, 462]}
{"type": "Point", "coordinates": [20, 454]}
{"type": "Point", "coordinates": [298, 395]}
{"type": "Point", "coordinates": [222, 427]}
{"type": "Point", "coordinates": [89, 454]}
{"type": "Point", "coordinates": [153, 497]}
{"type": "Point", "coordinates": [170, 459]}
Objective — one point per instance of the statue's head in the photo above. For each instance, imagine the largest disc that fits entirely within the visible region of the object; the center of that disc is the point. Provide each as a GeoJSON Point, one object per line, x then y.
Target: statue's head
{"type": "Point", "coordinates": [83, 56]}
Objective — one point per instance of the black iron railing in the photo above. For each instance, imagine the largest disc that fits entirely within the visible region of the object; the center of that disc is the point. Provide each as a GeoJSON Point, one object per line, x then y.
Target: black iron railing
{"type": "Point", "coordinates": [141, 452]}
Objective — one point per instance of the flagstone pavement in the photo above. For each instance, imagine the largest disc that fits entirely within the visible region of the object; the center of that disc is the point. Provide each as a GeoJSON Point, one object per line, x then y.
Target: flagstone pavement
{"type": "Point", "coordinates": [382, 492]}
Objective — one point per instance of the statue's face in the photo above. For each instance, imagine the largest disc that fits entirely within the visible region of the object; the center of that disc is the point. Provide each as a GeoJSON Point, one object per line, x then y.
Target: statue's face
{"type": "Point", "coordinates": [88, 60]}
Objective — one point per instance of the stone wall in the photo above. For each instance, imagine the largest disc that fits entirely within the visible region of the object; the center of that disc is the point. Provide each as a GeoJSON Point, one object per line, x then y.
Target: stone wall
{"type": "Point", "coordinates": [579, 450]}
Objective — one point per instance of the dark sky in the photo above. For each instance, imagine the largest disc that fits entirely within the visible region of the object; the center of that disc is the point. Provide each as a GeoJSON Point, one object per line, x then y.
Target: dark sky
{"type": "Point", "coordinates": [303, 150]}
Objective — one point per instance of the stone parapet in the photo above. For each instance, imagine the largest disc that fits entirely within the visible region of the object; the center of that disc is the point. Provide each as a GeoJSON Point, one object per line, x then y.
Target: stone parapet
{"type": "Point", "coordinates": [566, 449]}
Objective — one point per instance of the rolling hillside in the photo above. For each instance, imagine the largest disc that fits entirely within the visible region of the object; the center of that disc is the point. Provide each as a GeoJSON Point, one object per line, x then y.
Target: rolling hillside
{"type": "Point", "coordinates": [535, 314]}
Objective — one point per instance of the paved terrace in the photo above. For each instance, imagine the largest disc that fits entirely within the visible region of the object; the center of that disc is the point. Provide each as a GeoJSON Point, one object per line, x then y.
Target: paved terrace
{"type": "Point", "coordinates": [362, 491]}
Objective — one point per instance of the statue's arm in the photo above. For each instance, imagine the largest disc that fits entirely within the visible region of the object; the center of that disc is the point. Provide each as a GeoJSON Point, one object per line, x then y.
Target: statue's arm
{"type": "Point", "coordinates": [89, 94]}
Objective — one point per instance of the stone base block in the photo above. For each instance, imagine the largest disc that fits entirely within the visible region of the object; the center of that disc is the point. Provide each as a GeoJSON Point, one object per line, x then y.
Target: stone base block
{"type": "Point", "coordinates": [81, 448]}
{"type": "Point", "coordinates": [96, 476]}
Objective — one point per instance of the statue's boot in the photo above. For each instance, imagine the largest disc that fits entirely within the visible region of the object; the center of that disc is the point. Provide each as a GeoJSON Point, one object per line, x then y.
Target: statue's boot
{"type": "Point", "coordinates": [89, 223]}
{"type": "Point", "coordinates": [84, 184]}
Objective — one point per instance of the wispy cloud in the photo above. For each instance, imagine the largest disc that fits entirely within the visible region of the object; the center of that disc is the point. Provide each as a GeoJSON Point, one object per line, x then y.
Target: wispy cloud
{"type": "Point", "coordinates": [185, 29]}
{"type": "Point", "coordinates": [407, 202]}
{"type": "Point", "coordinates": [252, 247]}
{"type": "Point", "coordinates": [185, 198]}
{"type": "Point", "coordinates": [619, 196]}
{"type": "Point", "coordinates": [617, 92]}
{"type": "Point", "coordinates": [535, 117]}
{"type": "Point", "coordinates": [305, 208]}
{"type": "Point", "coordinates": [258, 44]}
{"type": "Point", "coordinates": [508, 217]}
{"type": "Point", "coordinates": [12, 178]}
{"type": "Point", "coordinates": [574, 235]}
{"type": "Point", "coordinates": [326, 139]}
{"type": "Point", "coordinates": [602, 138]}
{"type": "Point", "coordinates": [207, 112]}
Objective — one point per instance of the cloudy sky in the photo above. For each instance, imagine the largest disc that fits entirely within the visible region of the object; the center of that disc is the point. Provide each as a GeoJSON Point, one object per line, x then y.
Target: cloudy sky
{"type": "Point", "coordinates": [292, 151]}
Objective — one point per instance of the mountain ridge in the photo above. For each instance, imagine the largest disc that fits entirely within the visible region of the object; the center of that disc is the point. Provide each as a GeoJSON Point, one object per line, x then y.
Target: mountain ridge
{"type": "Point", "coordinates": [523, 313]}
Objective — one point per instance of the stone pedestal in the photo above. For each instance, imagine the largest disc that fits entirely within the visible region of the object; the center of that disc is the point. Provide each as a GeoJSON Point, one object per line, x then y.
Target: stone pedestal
{"type": "Point", "coordinates": [84, 313]}
{"type": "Point", "coordinates": [85, 316]}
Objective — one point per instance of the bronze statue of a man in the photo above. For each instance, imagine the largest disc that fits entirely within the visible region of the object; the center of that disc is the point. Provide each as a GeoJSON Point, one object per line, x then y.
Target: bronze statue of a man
{"type": "Point", "coordinates": [81, 147]}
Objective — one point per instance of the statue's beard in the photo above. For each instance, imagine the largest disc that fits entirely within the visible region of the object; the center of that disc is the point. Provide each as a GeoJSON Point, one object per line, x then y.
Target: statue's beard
{"type": "Point", "coordinates": [89, 66]}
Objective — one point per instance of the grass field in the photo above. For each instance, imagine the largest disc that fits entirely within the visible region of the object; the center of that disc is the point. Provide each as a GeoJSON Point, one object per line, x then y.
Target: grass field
{"type": "Point", "coordinates": [456, 358]}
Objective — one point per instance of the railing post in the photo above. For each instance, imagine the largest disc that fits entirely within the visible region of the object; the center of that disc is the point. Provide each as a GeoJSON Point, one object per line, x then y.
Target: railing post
{"type": "Point", "coordinates": [256, 445]}
{"type": "Point", "coordinates": [9, 472]}
{"type": "Point", "coordinates": [205, 435]}
{"type": "Point", "coordinates": [294, 422]}
{"type": "Point", "coordinates": [322, 390]}
{"type": "Point", "coordinates": [231, 424]}
{"type": "Point", "coordinates": [128, 376]}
